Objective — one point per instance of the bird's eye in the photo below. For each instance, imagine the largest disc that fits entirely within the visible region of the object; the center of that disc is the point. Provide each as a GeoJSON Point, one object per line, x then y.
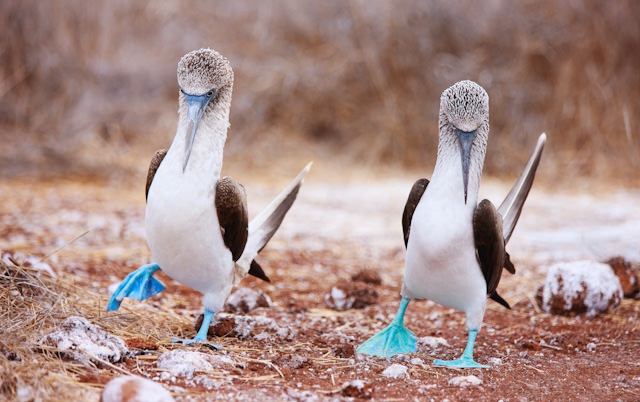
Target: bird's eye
{"type": "Point", "coordinates": [210, 93]}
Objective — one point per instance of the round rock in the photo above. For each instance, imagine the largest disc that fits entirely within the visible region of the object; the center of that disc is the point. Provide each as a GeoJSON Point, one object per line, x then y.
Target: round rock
{"type": "Point", "coordinates": [132, 388]}
{"type": "Point", "coordinates": [580, 287]}
{"type": "Point", "coordinates": [626, 274]}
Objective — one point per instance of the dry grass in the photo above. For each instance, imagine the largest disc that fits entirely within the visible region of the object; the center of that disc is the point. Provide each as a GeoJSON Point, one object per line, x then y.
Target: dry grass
{"type": "Point", "coordinates": [34, 304]}
{"type": "Point", "coordinates": [97, 81]}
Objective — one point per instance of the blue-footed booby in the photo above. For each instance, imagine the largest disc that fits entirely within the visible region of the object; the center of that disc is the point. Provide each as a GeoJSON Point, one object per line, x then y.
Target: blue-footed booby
{"type": "Point", "coordinates": [197, 223]}
{"type": "Point", "coordinates": [455, 246]}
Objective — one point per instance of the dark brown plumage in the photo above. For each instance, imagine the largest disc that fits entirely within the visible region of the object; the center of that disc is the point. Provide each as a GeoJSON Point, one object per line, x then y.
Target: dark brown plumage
{"type": "Point", "coordinates": [156, 160]}
{"type": "Point", "coordinates": [233, 215]}
{"type": "Point", "coordinates": [487, 234]}
{"type": "Point", "coordinates": [409, 208]}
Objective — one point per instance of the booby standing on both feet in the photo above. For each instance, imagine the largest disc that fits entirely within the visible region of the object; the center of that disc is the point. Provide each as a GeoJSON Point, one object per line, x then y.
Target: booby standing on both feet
{"type": "Point", "coordinates": [455, 246]}
{"type": "Point", "coordinates": [196, 222]}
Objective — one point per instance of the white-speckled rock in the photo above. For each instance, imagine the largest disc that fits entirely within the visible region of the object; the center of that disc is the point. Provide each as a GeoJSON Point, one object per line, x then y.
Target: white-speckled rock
{"type": "Point", "coordinates": [184, 363]}
{"type": "Point", "coordinates": [396, 371]}
{"type": "Point", "coordinates": [357, 389]}
{"type": "Point", "coordinates": [465, 381]}
{"type": "Point", "coordinates": [580, 287]}
{"type": "Point", "coordinates": [432, 341]}
{"type": "Point", "coordinates": [495, 361]}
{"type": "Point", "coordinates": [338, 299]}
{"type": "Point", "coordinates": [245, 300]}
{"type": "Point", "coordinates": [82, 340]}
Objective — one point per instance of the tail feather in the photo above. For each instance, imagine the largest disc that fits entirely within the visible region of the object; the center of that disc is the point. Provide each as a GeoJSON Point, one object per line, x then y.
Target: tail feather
{"type": "Point", "coordinates": [264, 226]}
{"type": "Point", "coordinates": [511, 207]}
{"type": "Point", "coordinates": [496, 297]}
{"type": "Point", "coordinates": [256, 270]}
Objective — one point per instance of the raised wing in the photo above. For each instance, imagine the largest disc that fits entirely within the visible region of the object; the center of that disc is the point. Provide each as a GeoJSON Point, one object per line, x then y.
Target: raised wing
{"type": "Point", "coordinates": [265, 225]}
{"type": "Point", "coordinates": [511, 207]}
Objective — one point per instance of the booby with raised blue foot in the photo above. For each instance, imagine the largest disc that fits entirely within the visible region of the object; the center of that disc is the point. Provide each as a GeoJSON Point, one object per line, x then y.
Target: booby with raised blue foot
{"type": "Point", "coordinates": [455, 246]}
{"type": "Point", "coordinates": [197, 223]}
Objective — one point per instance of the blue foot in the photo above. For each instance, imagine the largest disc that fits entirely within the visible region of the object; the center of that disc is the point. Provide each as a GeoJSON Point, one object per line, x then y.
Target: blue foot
{"type": "Point", "coordinates": [201, 336]}
{"type": "Point", "coordinates": [393, 340]}
{"type": "Point", "coordinates": [466, 360]}
{"type": "Point", "coordinates": [138, 285]}
{"type": "Point", "coordinates": [462, 362]}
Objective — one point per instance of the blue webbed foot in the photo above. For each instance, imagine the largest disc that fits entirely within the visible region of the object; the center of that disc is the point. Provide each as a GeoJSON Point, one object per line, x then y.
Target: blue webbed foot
{"type": "Point", "coordinates": [466, 360]}
{"type": "Point", "coordinates": [138, 285]}
{"type": "Point", "coordinates": [462, 362]}
{"type": "Point", "coordinates": [196, 341]}
{"type": "Point", "coordinates": [201, 336]}
{"type": "Point", "coordinates": [393, 340]}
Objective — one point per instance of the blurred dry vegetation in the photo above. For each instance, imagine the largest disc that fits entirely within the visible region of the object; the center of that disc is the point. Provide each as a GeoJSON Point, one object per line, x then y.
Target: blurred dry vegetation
{"type": "Point", "coordinates": [85, 85]}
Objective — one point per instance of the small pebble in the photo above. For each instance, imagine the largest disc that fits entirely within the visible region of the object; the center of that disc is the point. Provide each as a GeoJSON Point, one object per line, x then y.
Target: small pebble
{"type": "Point", "coordinates": [416, 361]}
{"type": "Point", "coordinates": [357, 389]}
{"type": "Point", "coordinates": [465, 381]}
{"type": "Point", "coordinates": [396, 371]}
{"type": "Point", "coordinates": [494, 361]}
{"type": "Point", "coordinates": [432, 341]}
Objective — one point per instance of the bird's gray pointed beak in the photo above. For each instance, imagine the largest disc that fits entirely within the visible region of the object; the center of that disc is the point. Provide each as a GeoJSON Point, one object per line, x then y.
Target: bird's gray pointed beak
{"type": "Point", "coordinates": [465, 139]}
{"type": "Point", "coordinates": [196, 105]}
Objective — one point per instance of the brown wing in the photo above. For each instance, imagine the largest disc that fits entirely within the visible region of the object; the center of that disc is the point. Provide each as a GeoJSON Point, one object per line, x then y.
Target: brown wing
{"type": "Point", "coordinates": [231, 207]}
{"type": "Point", "coordinates": [156, 160]}
{"type": "Point", "coordinates": [487, 233]}
{"type": "Point", "coordinates": [412, 202]}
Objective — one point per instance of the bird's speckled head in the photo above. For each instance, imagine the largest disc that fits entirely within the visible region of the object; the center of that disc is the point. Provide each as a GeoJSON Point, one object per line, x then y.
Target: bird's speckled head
{"type": "Point", "coordinates": [206, 84]}
{"type": "Point", "coordinates": [202, 70]}
{"type": "Point", "coordinates": [464, 131]}
{"type": "Point", "coordinates": [465, 105]}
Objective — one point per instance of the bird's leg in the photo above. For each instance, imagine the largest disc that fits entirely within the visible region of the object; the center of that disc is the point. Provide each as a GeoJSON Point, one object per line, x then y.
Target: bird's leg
{"type": "Point", "coordinates": [201, 336]}
{"type": "Point", "coordinates": [466, 360]}
{"type": "Point", "coordinates": [138, 285]}
{"type": "Point", "coordinates": [393, 340]}
{"type": "Point", "coordinates": [399, 318]}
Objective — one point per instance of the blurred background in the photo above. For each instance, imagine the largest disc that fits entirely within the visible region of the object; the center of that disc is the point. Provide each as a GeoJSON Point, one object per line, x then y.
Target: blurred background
{"type": "Point", "coordinates": [88, 89]}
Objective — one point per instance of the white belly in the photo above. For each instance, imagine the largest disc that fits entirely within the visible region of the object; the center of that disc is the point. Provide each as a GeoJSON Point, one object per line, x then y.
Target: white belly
{"type": "Point", "coordinates": [441, 262]}
{"type": "Point", "coordinates": [183, 232]}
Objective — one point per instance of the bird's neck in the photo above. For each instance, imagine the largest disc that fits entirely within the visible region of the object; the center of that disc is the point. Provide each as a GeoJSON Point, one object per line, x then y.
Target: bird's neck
{"type": "Point", "coordinates": [208, 144]}
{"type": "Point", "coordinates": [447, 174]}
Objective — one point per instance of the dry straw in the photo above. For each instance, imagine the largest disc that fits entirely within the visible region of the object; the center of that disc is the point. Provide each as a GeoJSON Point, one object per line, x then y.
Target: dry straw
{"type": "Point", "coordinates": [33, 303]}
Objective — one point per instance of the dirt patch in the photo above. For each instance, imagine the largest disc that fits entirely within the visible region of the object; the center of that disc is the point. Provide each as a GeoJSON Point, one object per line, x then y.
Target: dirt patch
{"type": "Point", "coordinates": [298, 348]}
